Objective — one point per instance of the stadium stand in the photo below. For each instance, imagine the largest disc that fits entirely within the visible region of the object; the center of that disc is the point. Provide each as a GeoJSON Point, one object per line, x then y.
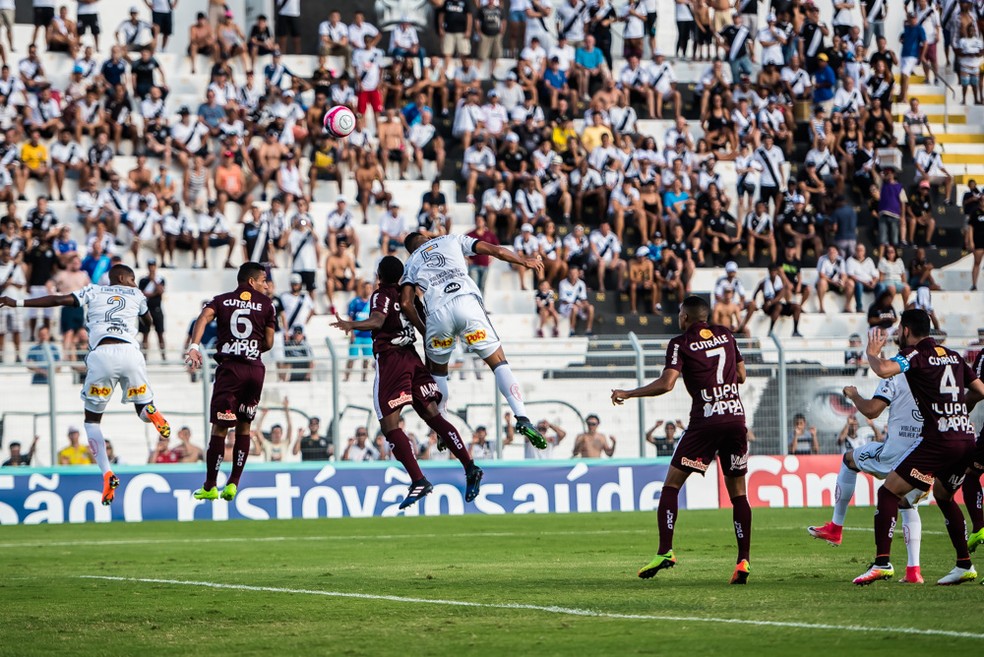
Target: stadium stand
{"type": "Point", "coordinates": [571, 132]}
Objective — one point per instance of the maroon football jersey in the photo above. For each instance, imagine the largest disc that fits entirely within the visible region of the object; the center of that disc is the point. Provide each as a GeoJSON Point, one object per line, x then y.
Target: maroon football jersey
{"type": "Point", "coordinates": [396, 332]}
{"type": "Point", "coordinates": [707, 356]}
{"type": "Point", "coordinates": [938, 378]}
{"type": "Point", "coordinates": [242, 317]}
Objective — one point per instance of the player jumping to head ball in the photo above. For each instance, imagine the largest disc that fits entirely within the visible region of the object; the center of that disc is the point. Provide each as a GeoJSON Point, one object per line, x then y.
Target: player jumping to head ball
{"type": "Point", "coordinates": [111, 315]}
{"type": "Point", "coordinates": [245, 319]}
{"type": "Point", "coordinates": [712, 367]}
{"type": "Point", "coordinates": [454, 309]}
{"type": "Point", "coordinates": [401, 379]}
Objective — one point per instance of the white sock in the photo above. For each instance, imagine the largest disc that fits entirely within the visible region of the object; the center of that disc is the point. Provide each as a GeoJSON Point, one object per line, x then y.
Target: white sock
{"type": "Point", "coordinates": [97, 445]}
{"type": "Point", "coordinates": [912, 529]}
{"type": "Point", "coordinates": [442, 385]}
{"type": "Point", "coordinates": [509, 387]}
{"type": "Point", "coordinates": [847, 479]}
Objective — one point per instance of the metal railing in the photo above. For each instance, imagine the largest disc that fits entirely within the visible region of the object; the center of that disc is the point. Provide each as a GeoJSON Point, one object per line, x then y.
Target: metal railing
{"type": "Point", "coordinates": [563, 382]}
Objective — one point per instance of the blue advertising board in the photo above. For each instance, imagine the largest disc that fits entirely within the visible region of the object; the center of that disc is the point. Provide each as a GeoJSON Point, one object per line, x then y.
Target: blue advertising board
{"type": "Point", "coordinates": [332, 490]}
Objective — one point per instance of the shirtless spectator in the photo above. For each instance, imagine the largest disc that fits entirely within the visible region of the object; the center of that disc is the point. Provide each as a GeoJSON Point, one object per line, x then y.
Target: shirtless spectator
{"type": "Point", "coordinates": [266, 160]}
{"type": "Point", "coordinates": [201, 39]}
{"type": "Point", "coordinates": [641, 279]}
{"type": "Point", "coordinates": [592, 444]}
{"type": "Point", "coordinates": [69, 280]}
{"type": "Point", "coordinates": [371, 183]}
{"type": "Point", "coordinates": [340, 274]}
{"type": "Point", "coordinates": [728, 313]}
{"type": "Point", "coordinates": [393, 145]}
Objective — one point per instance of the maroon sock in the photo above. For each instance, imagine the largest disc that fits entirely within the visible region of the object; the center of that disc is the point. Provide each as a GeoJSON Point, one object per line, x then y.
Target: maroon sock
{"type": "Point", "coordinates": [885, 515]}
{"type": "Point", "coordinates": [452, 439]}
{"type": "Point", "coordinates": [956, 527]}
{"type": "Point", "coordinates": [405, 452]}
{"type": "Point", "coordinates": [213, 459]}
{"type": "Point", "coordinates": [974, 499]}
{"type": "Point", "coordinates": [667, 514]}
{"type": "Point", "coordinates": [742, 514]}
{"type": "Point", "coordinates": [240, 452]}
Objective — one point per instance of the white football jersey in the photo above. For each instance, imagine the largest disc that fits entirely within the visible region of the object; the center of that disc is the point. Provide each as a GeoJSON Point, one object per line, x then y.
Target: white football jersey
{"type": "Point", "coordinates": [904, 420]}
{"type": "Point", "coordinates": [111, 311]}
{"type": "Point", "coordinates": [439, 268]}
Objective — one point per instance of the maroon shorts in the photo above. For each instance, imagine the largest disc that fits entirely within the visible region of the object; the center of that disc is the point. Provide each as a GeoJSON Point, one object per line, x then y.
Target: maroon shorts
{"type": "Point", "coordinates": [697, 447]}
{"type": "Point", "coordinates": [401, 379]}
{"type": "Point", "coordinates": [946, 460]}
{"type": "Point", "coordinates": [236, 392]}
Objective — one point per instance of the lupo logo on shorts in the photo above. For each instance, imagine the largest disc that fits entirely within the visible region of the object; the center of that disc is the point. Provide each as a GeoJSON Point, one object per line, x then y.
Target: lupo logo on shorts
{"type": "Point", "coordinates": [99, 391]}
{"type": "Point", "coordinates": [133, 392]}
{"type": "Point", "coordinates": [452, 287]}
{"type": "Point", "coordinates": [475, 336]}
{"type": "Point", "coordinates": [438, 343]}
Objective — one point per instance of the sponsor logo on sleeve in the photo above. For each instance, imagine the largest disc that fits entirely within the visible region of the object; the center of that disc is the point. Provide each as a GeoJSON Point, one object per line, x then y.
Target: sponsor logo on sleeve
{"type": "Point", "coordinates": [404, 398]}
{"type": "Point", "coordinates": [442, 343]}
{"type": "Point", "coordinates": [475, 336]}
{"type": "Point", "coordinates": [100, 391]}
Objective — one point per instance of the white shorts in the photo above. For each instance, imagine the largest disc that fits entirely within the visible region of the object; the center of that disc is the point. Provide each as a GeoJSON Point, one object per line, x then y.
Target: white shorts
{"type": "Point", "coordinates": [463, 317]}
{"type": "Point", "coordinates": [11, 321]}
{"type": "Point", "coordinates": [878, 459]}
{"type": "Point", "coordinates": [924, 299]}
{"type": "Point", "coordinates": [909, 65]}
{"type": "Point", "coordinates": [110, 364]}
{"type": "Point", "coordinates": [276, 354]}
{"type": "Point", "coordinates": [34, 292]}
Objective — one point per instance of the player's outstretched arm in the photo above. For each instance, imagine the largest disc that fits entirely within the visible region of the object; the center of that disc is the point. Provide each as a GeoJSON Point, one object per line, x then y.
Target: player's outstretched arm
{"type": "Point", "coordinates": [660, 386]}
{"type": "Point", "coordinates": [870, 408]}
{"type": "Point", "coordinates": [408, 296]}
{"type": "Point", "coordinates": [975, 393]}
{"type": "Point", "coordinates": [880, 367]}
{"type": "Point", "coordinates": [506, 255]}
{"type": "Point", "coordinates": [49, 301]}
{"type": "Point", "coordinates": [193, 357]}
{"type": "Point", "coordinates": [374, 322]}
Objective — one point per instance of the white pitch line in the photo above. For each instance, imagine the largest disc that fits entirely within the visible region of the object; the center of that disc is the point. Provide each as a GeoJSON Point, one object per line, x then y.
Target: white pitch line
{"type": "Point", "coordinates": [33, 543]}
{"type": "Point", "coordinates": [567, 611]}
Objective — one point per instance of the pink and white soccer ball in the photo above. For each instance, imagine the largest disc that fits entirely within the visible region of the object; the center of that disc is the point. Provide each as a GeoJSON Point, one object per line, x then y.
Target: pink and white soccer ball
{"type": "Point", "coordinates": [340, 121]}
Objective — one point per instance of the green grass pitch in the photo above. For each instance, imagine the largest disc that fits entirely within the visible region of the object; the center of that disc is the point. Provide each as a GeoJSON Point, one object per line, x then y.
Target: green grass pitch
{"type": "Point", "coordinates": [799, 599]}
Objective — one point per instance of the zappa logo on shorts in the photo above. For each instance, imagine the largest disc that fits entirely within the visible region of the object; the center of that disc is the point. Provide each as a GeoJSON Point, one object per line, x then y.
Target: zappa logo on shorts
{"type": "Point", "coordinates": [918, 476]}
{"type": "Point", "coordinates": [404, 398]}
{"type": "Point", "coordinates": [133, 392]}
{"type": "Point", "coordinates": [226, 415]}
{"type": "Point", "coordinates": [695, 464]}
{"type": "Point", "coordinates": [439, 343]}
{"type": "Point", "coordinates": [451, 288]}
{"type": "Point", "coordinates": [100, 391]}
{"type": "Point", "coordinates": [475, 336]}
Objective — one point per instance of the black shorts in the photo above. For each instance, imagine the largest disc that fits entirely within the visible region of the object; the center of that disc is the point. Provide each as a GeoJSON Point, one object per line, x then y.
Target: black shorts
{"type": "Point", "coordinates": [90, 23]}
{"type": "Point", "coordinates": [163, 20]}
{"type": "Point", "coordinates": [216, 241]}
{"type": "Point", "coordinates": [394, 155]}
{"type": "Point", "coordinates": [43, 16]}
{"type": "Point", "coordinates": [156, 321]}
{"type": "Point", "coordinates": [651, 24]}
{"type": "Point", "coordinates": [287, 26]}
{"type": "Point", "coordinates": [236, 392]}
{"type": "Point", "coordinates": [767, 191]}
{"type": "Point", "coordinates": [943, 460]}
{"type": "Point", "coordinates": [72, 318]}
{"type": "Point", "coordinates": [427, 151]}
{"type": "Point", "coordinates": [696, 449]}
{"type": "Point", "coordinates": [307, 279]}
{"type": "Point", "coordinates": [978, 234]}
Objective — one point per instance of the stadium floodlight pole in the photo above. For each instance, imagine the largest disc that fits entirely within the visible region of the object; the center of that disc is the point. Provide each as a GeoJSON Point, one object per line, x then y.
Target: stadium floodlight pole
{"type": "Point", "coordinates": [783, 409]}
{"type": "Point", "coordinates": [336, 440]}
{"type": "Point", "coordinates": [640, 381]}
{"type": "Point", "coordinates": [49, 359]}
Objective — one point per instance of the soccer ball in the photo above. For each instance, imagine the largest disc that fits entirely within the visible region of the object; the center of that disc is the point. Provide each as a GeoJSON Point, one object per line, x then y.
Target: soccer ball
{"type": "Point", "coordinates": [339, 121]}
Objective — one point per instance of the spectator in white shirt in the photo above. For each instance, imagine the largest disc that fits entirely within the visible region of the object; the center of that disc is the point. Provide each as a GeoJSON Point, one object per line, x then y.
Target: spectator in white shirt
{"type": "Point", "coordinates": [526, 245]}
{"type": "Point", "coordinates": [572, 301]}
{"type": "Point", "coordinates": [333, 37]}
{"type": "Point", "coordinates": [832, 275]}
{"type": "Point", "coordinates": [393, 229]}
{"type": "Point", "coordinates": [862, 270]}
{"type": "Point", "coordinates": [606, 250]}
{"type": "Point", "coordinates": [477, 166]}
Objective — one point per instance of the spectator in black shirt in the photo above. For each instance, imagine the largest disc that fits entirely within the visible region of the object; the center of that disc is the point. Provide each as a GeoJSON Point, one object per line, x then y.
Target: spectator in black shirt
{"type": "Point", "coordinates": [42, 220]}
{"type": "Point", "coordinates": [881, 313]}
{"type": "Point", "coordinates": [454, 26]}
{"type": "Point", "coordinates": [260, 39]}
{"type": "Point", "coordinates": [17, 458]}
{"type": "Point", "coordinates": [313, 446]}
{"type": "Point", "coordinates": [152, 285]}
{"type": "Point", "coordinates": [142, 74]}
{"type": "Point", "coordinates": [40, 262]}
{"type": "Point", "coordinates": [722, 232]}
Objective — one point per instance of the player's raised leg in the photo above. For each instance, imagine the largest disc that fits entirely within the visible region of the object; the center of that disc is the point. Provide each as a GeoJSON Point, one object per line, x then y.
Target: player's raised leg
{"type": "Point", "coordinates": [847, 479]}
{"type": "Point", "coordinates": [451, 438]}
